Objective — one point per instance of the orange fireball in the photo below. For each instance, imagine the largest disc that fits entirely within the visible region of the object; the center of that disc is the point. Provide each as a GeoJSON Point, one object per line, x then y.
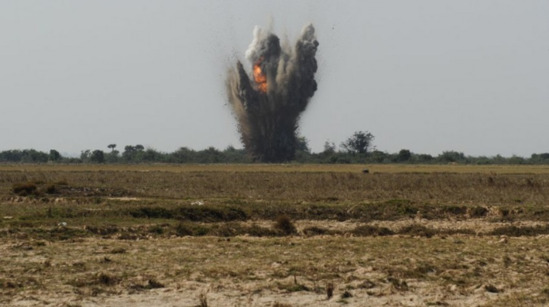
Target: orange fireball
{"type": "Point", "coordinates": [259, 77]}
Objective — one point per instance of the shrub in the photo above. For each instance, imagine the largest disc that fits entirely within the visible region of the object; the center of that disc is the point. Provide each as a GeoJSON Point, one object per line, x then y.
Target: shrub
{"type": "Point", "coordinates": [367, 230]}
{"type": "Point", "coordinates": [153, 284]}
{"type": "Point", "coordinates": [417, 230]}
{"type": "Point", "coordinates": [183, 230]}
{"type": "Point", "coordinates": [258, 231]}
{"type": "Point", "coordinates": [201, 230]}
{"type": "Point", "coordinates": [456, 210]}
{"type": "Point", "coordinates": [105, 230]}
{"type": "Point", "coordinates": [227, 230]}
{"type": "Point", "coordinates": [285, 225]}
{"type": "Point", "coordinates": [107, 280]}
{"type": "Point", "coordinates": [51, 189]}
{"type": "Point", "coordinates": [24, 189]}
{"type": "Point", "coordinates": [315, 231]}
{"type": "Point", "coordinates": [151, 212]}
{"type": "Point", "coordinates": [514, 231]}
{"type": "Point", "coordinates": [210, 214]}
{"type": "Point", "coordinates": [156, 229]}
{"type": "Point", "coordinates": [478, 211]}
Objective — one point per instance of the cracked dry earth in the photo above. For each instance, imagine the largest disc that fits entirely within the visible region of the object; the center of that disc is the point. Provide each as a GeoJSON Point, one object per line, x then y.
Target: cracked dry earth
{"type": "Point", "coordinates": [396, 270]}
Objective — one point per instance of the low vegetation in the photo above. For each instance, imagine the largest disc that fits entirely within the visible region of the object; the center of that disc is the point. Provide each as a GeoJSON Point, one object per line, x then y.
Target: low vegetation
{"type": "Point", "coordinates": [275, 235]}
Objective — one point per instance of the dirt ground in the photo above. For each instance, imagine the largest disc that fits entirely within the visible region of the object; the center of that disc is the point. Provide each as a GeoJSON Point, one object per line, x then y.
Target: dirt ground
{"type": "Point", "coordinates": [273, 235]}
{"type": "Point", "coordinates": [460, 270]}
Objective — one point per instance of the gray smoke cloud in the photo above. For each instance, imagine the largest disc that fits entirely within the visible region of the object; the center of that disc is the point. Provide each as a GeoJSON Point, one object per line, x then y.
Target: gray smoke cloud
{"type": "Point", "coordinates": [268, 102]}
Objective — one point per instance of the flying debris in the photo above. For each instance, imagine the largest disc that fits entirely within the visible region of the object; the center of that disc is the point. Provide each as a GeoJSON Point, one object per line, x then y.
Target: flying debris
{"type": "Point", "coordinates": [268, 105]}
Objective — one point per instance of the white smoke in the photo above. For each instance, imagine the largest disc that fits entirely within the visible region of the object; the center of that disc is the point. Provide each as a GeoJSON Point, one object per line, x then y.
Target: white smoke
{"type": "Point", "coordinates": [252, 54]}
{"type": "Point", "coordinates": [308, 33]}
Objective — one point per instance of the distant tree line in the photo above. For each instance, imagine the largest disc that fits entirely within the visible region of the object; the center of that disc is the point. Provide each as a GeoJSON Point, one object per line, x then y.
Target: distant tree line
{"type": "Point", "coordinates": [356, 149]}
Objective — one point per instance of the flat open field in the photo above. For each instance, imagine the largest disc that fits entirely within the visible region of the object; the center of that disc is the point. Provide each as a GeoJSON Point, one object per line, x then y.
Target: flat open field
{"type": "Point", "coordinates": [274, 235]}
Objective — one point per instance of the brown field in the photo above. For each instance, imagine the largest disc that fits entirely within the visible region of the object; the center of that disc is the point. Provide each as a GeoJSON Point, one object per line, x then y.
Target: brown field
{"type": "Point", "coordinates": [274, 235]}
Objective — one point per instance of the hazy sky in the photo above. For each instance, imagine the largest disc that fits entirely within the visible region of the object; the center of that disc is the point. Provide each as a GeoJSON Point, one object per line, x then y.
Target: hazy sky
{"type": "Point", "coordinates": [429, 76]}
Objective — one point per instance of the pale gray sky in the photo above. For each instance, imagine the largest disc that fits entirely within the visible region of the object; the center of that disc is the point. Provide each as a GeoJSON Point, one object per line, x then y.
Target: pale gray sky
{"type": "Point", "coordinates": [429, 76]}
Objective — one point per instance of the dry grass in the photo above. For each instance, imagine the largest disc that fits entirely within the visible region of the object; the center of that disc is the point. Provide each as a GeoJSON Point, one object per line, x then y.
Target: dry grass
{"type": "Point", "coordinates": [309, 185]}
{"type": "Point", "coordinates": [273, 235]}
{"type": "Point", "coordinates": [383, 270]}
{"type": "Point", "coordinates": [284, 168]}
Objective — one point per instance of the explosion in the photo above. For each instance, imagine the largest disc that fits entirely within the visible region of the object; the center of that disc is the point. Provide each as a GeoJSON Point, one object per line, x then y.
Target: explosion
{"type": "Point", "coordinates": [260, 78]}
{"type": "Point", "coordinates": [268, 106]}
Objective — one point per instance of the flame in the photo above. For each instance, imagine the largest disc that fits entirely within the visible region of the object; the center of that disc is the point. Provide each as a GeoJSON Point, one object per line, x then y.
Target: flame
{"type": "Point", "coordinates": [259, 77]}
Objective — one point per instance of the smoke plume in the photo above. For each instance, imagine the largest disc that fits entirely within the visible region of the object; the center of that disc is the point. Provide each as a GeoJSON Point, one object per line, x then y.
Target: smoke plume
{"type": "Point", "coordinates": [268, 102]}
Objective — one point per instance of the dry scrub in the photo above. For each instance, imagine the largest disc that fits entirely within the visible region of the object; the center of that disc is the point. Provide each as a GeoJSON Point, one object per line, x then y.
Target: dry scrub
{"type": "Point", "coordinates": [268, 235]}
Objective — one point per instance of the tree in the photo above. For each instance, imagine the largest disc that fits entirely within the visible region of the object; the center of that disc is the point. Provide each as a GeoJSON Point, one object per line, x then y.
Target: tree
{"type": "Point", "coordinates": [302, 145]}
{"type": "Point", "coordinates": [112, 157]}
{"type": "Point", "coordinates": [424, 158]}
{"type": "Point", "coordinates": [539, 158]}
{"type": "Point", "coordinates": [129, 153]}
{"type": "Point", "coordinates": [233, 155]}
{"type": "Point", "coordinates": [210, 155]}
{"type": "Point", "coordinates": [151, 155]}
{"type": "Point", "coordinates": [182, 155]}
{"type": "Point", "coordinates": [97, 156]}
{"type": "Point", "coordinates": [404, 155]}
{"type": "Point", "coordinates": [451, 157]}
{"type": "Point", "coordinates": [85, 155]}
{"type": "Point", "coordinates": [360, 142]}
{"type": "Point", "coordinates": [13, 155]}
{"type": "Point", "coordinates": [54, 155]}
{"type": "Point", "coordinates": [516, 160]}
{"type": "Point", "coordinates": [302, 150]}
{"type": "Point", "coordinates": [34, 156]}
{"type": "Point", "coordinates": [377, 156]}
{"type": "Point", "coordinates": [329, 147]}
